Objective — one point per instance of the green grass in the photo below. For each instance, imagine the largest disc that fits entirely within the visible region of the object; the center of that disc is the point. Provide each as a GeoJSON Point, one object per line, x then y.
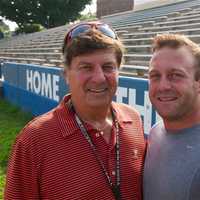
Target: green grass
{"type": "Point", "coordinates": [2, 183]}
{"type": "Point", "coordinates": [12, 120]}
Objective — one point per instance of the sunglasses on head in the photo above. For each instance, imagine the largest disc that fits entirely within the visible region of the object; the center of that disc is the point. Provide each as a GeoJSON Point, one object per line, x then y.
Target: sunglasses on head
{"type": "Point", "coordinates": [84, 27]}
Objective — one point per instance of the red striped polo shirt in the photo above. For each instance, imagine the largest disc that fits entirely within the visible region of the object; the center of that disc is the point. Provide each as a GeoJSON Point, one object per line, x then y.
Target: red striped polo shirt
{"type": "Point", "coordinates": [52, 160]}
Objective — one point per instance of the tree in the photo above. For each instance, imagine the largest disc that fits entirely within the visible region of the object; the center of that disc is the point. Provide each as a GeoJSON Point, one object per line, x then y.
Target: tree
{"type": "Point", "coordinates": [88, 16]}
{"type": "Point", "coordinates": [48, 13]}
{"type": "Point", "coordinates": [4, 29]}
{"type": "Point", "coordinates": [29, 28]}
{"type": "Point", "coordinates": [3, 25]}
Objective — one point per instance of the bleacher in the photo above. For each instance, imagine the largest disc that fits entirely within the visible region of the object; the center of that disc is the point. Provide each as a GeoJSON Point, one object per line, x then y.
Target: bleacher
{"type": "Point", "coordinates": [136, 30]}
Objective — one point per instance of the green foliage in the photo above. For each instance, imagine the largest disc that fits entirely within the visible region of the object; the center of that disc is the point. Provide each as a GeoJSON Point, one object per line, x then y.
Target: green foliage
{"type": "Point", "coordinates": [4, 29]}
{"type": "Point", "coordinates": [29, 28]}
{"type": "Point", "coordinates": [48, 13]}
{"type": "Point", "coordinates": [2, 182]}
{"type": "Point", "coordinates": [88, 16]}
{"type": "Point", "coordinates": [4, 26]}
{"type": "Point", "coordinates": [12, 120]}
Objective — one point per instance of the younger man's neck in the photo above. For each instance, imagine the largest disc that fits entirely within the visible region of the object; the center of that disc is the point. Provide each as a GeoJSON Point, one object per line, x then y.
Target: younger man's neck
{"type": "Point", "coordinates": [182, 123]}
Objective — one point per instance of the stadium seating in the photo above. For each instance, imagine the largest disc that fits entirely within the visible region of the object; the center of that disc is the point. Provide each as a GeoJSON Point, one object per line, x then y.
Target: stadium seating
{"type": "Point", "coordinates": [135, 29]}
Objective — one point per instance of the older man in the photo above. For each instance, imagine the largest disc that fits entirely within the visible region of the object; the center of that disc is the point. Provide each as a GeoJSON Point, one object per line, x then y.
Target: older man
{"type": "Point", "coordinates": [88, 148]}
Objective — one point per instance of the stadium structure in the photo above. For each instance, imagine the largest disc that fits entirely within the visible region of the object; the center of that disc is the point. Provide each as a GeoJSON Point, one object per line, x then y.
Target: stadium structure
{"type": "Point", "coordinates": [32, 63]}
{"type": "Point", "coordinates": [135, 28]}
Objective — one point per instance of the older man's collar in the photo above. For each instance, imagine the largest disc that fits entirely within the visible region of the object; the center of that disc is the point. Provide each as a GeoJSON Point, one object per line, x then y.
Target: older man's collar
{"type": "Point", "coordinates": [67, 122]}
{"type": "Point", "coordinates": [66, 118]}
{"type": "Point", "coordinates": [122, 113]}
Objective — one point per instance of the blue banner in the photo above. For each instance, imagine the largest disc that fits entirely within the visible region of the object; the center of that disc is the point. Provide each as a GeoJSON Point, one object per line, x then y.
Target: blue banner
{"type": "Point", "coordinates": [38, 89]}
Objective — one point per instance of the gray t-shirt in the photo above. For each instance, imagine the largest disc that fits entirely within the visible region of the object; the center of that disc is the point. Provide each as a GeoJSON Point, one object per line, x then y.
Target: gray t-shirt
{"type": "Point", "coordinates": [172, 166]}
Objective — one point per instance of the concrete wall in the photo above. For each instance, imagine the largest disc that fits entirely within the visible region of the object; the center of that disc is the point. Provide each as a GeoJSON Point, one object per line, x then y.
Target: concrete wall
{"type": "Point", "coordinates": [154, 3]}
{"type": "Point", "coordinates": [143, 6]}
{"type": "Point", "coordinates": [109, 7]}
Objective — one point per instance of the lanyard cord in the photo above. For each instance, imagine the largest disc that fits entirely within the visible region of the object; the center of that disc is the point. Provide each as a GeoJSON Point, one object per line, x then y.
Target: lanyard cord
{"type": "Point", "coordinates": [115, 188]}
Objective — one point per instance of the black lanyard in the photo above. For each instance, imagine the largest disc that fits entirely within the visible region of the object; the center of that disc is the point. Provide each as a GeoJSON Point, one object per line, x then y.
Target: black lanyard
{"type": "Point", "coordinates": [115, 187]}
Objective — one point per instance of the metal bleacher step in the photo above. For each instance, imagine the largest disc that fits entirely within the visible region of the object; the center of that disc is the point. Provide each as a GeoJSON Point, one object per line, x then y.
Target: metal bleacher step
{"type": "Point", "coordinates": [134, 70]}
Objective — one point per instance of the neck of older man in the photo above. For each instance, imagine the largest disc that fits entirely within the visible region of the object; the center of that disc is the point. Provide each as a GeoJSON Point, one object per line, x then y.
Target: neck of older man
{"type": "Point", "coordinates": [99, 117]}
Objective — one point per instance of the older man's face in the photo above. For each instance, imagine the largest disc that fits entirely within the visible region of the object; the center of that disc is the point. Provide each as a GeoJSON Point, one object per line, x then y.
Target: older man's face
{"type": "Point", "coordinates": [93, 78]}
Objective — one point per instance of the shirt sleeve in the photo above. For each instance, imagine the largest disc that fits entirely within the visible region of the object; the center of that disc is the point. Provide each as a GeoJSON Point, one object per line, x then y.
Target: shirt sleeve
{"type": "Point", "coordinates": [21, 179]}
